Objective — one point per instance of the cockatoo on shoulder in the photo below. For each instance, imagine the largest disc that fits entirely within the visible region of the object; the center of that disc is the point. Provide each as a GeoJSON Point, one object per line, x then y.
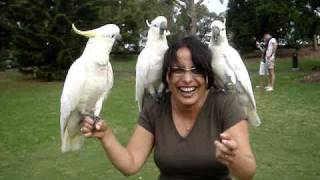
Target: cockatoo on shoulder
{"type": "Point", "coordinates": [230, 71]}
{"type": "Point", "coordinates": [150, 60]}
{"type": "Point", "coordinates": [87, 84]}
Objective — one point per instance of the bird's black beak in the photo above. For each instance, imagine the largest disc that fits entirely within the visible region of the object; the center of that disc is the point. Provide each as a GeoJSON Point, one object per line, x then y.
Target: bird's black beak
{"type": "Point", "coordinates": [163, 27]}
{"type": "Point", "coordinates": [119, 37]}
{"type": "Point", "coordinates": [215, 33]}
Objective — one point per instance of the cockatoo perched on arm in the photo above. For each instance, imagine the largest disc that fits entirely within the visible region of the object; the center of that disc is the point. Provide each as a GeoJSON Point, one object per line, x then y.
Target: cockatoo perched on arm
{"type": "Point", "coordinates": [87, 84]}
{"type": "Point", "coordinates": [150, 60]}
{"type": "Point", "coordinates": [231, 72]}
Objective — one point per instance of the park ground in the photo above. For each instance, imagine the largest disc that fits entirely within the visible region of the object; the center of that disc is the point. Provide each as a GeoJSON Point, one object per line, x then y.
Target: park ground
{"type": "Point", "coordinates": [286, 145]}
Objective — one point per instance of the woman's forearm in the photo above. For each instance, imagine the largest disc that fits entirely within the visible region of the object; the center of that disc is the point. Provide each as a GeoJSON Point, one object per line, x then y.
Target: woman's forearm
{"type": "Point", "coordinates": [128, 159]}
{"type": "Point", "coordinates": [120, 157]}
{"type": "Point", "coordinates": [243, 167]}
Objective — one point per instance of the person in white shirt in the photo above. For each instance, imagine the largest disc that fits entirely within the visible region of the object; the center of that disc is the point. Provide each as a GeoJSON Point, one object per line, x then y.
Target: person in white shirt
{"type": "Point", "coordinates": [263, 69]}
{"type": "Point", "coordinates": [270, 56]}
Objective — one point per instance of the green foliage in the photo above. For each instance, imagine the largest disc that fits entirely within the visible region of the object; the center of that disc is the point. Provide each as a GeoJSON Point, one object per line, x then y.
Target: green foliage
{"type": "Point", "coordinates": [38, 33]}
{"type": "Point", "coordinates": [241, 23]}
{"type": "Point", "coordinates": [294, 21]}
{"type": "Point", "coordinates": [203, 18]}
{"type": "Point", "coordinates": [5, 31]}
{"type": "Point", "coordinates": [41, 33]}
{"type": "Point", "coordinates": [131, 17]}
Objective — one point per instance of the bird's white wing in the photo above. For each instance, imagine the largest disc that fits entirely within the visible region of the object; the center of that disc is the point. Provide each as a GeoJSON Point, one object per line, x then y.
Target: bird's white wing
{"type": "Point", "coordinates": [71, 91]}
{"type": "Point", "coordinates": [99, 103]}
{"type": "Point", "coordinates": [142, 72]}
{"type": "Point", "coordinates": [235, 62]}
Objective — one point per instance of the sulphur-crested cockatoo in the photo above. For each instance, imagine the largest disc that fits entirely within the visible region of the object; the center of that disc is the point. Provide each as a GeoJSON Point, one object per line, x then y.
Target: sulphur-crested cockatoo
{"type": "Point", "coordinates": [149, 63]}
{"type": "Point", "coordinates": [230, 71]}
{"type": "Point", "coordinates": [87, 84]}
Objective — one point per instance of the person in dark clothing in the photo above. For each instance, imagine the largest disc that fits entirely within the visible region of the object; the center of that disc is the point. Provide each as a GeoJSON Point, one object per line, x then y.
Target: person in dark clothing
{"type": "Point", "coordinates": [195, 130]}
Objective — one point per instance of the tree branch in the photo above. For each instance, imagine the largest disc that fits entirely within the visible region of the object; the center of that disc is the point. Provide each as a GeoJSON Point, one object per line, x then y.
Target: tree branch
{"type": "Point", "coordinates": [199, 2]}
{"type": "Point", "coordinates": [181, 3]}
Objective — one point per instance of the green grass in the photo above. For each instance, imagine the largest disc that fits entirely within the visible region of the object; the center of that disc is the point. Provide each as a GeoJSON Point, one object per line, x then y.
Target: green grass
{"type": "Point", "coordinates": [286, 144]}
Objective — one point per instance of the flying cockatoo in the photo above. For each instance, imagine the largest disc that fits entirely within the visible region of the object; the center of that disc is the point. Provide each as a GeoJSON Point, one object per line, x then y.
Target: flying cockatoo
{"type": "Point", "coordinates": [149, 63]}
{"type": "Point", "coordinates": [87, 84]}
{"type": "Point", "coordinates": [230, 71]}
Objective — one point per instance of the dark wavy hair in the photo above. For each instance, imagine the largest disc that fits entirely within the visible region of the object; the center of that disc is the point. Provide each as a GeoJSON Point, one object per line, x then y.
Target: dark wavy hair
{"type": "Point", "coordinates": [201, 58]}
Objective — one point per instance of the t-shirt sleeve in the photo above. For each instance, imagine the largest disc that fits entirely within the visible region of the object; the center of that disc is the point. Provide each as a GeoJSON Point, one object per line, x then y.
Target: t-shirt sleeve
{"type": "Point", "coordinates": [145, 117]}
{"type": "Point", "coordinates": [145, 121]}
{"type": "Point", "coordinates": [232, 111]}
{"type": "Point", "coordinates": [274, 41]}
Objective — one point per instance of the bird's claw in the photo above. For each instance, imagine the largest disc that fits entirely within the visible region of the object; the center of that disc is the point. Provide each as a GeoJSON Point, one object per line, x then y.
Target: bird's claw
{"type": "Point", "coordinates": [95, 119]}
{"type": "Point", "coordinates": [229, 86]}
{"type": "Point", "coordinates": [158, 97]}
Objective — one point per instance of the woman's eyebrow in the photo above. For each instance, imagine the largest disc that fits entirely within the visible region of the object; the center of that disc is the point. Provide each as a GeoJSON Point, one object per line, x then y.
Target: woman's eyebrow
{"type": "Point", "coordinates": [180, 65]}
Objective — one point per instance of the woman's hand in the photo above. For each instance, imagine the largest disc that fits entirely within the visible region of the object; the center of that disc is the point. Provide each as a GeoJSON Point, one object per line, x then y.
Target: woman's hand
{"type": "Point", "coordinates": [88, 130]}
{"type": "Point", "coordinates": [226, 149]}
{"type": "Point", "coordinates": [235, 152]}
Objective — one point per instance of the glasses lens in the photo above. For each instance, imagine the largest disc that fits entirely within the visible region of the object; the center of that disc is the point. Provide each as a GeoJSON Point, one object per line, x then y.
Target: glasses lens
{"type": "Point", "coordinates": [195, 71]}
{"type": "Point", "coordinates": [179, 71]}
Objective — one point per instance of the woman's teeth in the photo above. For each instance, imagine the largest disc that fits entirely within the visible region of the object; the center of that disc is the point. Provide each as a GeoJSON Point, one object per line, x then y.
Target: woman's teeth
{"type": "Point", "coordinates": [187, 89]}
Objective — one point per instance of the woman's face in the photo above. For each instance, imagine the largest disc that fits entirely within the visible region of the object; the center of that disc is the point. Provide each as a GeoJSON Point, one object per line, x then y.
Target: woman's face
{"type": "Point", "coordinates": [187, 85]}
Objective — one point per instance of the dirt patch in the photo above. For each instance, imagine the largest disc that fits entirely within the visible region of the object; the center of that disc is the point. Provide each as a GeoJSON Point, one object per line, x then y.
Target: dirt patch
{"type": "Point", "coordinates": [3, 76]}
{"type": "Point", "coordinates": [309, 52]}
{"type": "Point", "coordinates": [314, 77]}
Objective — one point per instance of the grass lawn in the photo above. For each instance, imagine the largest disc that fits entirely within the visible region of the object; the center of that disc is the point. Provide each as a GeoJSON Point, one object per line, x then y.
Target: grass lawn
{"type": "Point", "coordinates": [286, 144]}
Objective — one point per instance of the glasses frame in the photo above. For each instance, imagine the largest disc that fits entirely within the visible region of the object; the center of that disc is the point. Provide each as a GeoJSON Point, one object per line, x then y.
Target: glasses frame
{"type": "Point", "coordinates": [193, 71]}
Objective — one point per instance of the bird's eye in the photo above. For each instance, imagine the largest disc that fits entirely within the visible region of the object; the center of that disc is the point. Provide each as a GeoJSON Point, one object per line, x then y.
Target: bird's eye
{"type": "Point", "coordinates": [155, 25]}
{"type": "Point", "coordinates": [112, 36]}
{"type": "Point", "coordinates": [222, 29]}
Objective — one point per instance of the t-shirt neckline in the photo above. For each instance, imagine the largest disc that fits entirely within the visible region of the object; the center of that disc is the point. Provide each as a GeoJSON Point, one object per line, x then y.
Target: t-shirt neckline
{"type": "Point", "coordinates": [198, 119]}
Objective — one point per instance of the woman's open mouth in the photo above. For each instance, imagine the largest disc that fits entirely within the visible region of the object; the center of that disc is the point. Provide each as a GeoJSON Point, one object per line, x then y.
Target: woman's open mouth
{"type": "Point", "coordinates": [187, 90]}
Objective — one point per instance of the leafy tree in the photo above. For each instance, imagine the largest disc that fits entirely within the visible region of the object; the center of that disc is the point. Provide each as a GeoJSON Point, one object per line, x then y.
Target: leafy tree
{"type": "Point", "coordinates": [131, 17]}
{"type": "Point", "coordinates": [243, 23]}
{"type": "Point", "coordinates": [38, 33]}
{"type": "Point", "coordinates": [5, 30]}
{"type": "Point", "coordinates": [294, 21]}
{"type": "Point", "coordinates": [306, 20]}
{"type": "Point", "coordinates": [42, 36]}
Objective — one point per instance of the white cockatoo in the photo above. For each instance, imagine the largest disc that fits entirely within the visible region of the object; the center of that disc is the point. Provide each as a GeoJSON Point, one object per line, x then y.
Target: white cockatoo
{"type": "Point", "coordinates": [149, 63]}
{"type": "Point", "coordinates": [230, 71]}
{"type": "Point", "coordinates": [87, 84]}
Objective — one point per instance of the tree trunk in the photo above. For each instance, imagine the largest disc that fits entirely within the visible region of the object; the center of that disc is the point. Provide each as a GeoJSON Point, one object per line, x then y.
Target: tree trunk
{"type": "Point", "coordinates": [315, 42]}
{"type": "Point", "coordinates": [193, 18]}
{"type": "Point", "coordinates": [191, 7]}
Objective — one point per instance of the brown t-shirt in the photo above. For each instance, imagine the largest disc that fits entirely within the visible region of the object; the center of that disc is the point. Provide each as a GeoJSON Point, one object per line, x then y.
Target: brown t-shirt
{"type": "Point", "coordinates": [193, 156]}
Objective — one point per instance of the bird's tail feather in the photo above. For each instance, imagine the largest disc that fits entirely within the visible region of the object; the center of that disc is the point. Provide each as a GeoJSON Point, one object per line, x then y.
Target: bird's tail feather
{"type": "Point", "coordinates": [71, 143]}
{"type": "Point", "coordinates": [72, 139]}
{"type": "Point", "coordinates": [253, 118]}
{"type": "Point", "coordinates": [139, 94]}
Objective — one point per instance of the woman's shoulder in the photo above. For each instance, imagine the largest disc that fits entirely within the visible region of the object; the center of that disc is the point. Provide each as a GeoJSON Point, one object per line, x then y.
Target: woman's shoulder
{"type": "Point", "coordinates": [220, 96]}
{"type": "Point", "coordinates": [155, 103]}
{"type": "Point", "coordinates": [218, 93]}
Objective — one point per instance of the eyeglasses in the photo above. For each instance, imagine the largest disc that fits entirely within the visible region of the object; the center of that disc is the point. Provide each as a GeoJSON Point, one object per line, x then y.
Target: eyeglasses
{"type": "Point", "coordinates": [180, 71]}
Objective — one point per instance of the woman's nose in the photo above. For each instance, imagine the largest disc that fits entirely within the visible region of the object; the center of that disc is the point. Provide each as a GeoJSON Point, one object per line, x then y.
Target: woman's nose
{"type": "Point", "coordinates": [187, 76]}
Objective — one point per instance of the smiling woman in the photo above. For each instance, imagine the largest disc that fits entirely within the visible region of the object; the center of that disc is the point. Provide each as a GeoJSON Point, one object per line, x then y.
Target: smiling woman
{"type": "Point", "coordinates": [188, 73]}
{"type": "Point", "coordinates": [195, 130]}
